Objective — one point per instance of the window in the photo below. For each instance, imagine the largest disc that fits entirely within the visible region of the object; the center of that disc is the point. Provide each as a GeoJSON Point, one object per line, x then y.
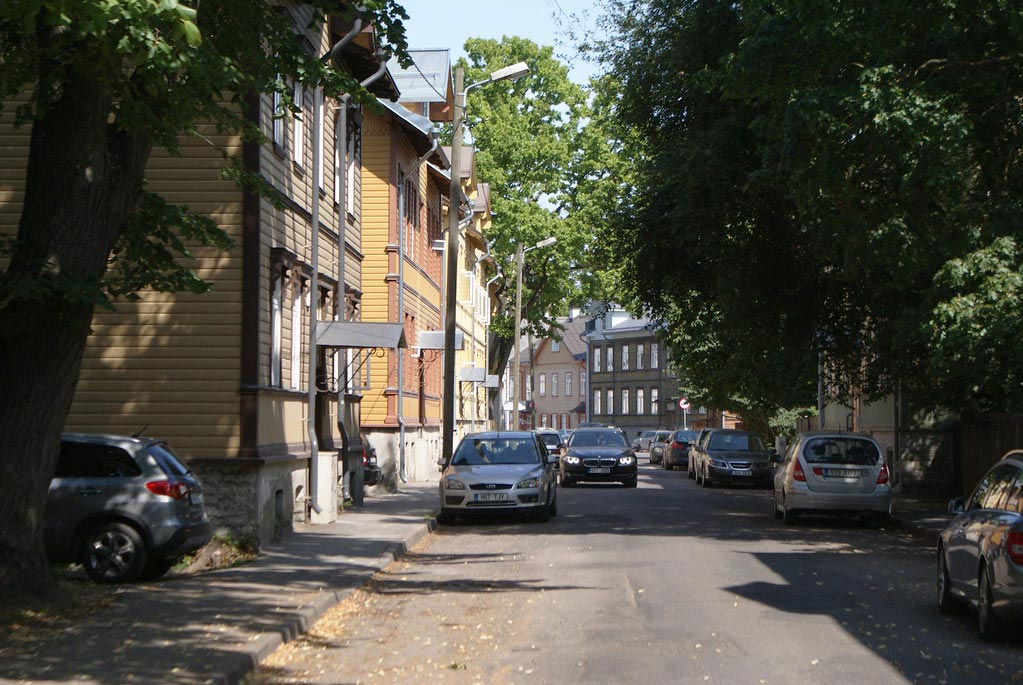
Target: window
{"type": "Point", "coordinates": [353, 150]}
{"type": "Point", "coordinates": [654, 397]}
{"type": "Point", "coordinates": [610, 401]}
{"type": "Point", "coordinates": [568, 384]}
{"type": "Point", "coordinates": [625, 401]}
{"type": "Point", "coordinates": [543, 385]}
{"type": "Point", "coordinates": [338, 142]}
{"type": "Point", "coordinates": [276, 331]}
{"type": "Point", "coordinates": [596, 402]}
{"type": "Point", "coordinates": [278, 118]}
{"type": "Point", "coordinates": [87, 460]}
{"type": "Point", "coordinates": [298, 154]}
{"type": "Point", "coordinates": [296, 339]}
{"type": "Point", "coordinates": [543, 420]}
{"type": "Point", "coordinates": [582, 385]}
{"type": "Point", "coordinates": [596, 360]}
{"type": "Point", "coordinates": [653, 355]}
{"type": "Point", "coordinates": [639, 356]}
{"type": "Point", "coordinates": [640, 401]}
{"type": "Point", "coordinates": [610, 358]}
{"type": "Point", "coordinates": [625, 357]}
{"type": "Point", "coordinates": [554, 385]}
{"type": "Point", "coordinates": [555, 346]}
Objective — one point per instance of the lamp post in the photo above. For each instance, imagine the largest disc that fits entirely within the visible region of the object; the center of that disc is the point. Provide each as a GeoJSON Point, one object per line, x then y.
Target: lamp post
{"type": "Point", "coordinates": [512, 73]}
{"type": "Point", "coordinates": [520, 256]}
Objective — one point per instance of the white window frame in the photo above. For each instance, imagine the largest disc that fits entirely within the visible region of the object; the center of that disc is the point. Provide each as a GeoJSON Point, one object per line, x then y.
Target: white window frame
{"type": "Point", "coordinates": [582, 385]}
{"type": "Point", "coordinates": [655, 399]}
{"type": "Point", "coordinates": [277, 125]}
{"type": "Point", "coordinates": [610, 399]}
{"type": "Point", "coordinates": [596, 402]}
{"type": "Point", "coordinates": [640, 401]}
{"type": "Point", "coordinates": [276, 331]}
{"type": "Point", "coordinates": [596, 360]}
{"type": "Point", "coordinates": [555, 346]}
{"type": "Point", "coordinates": [554, 385]}
{"type": "Point", "coordinates": [625, 400]}
{"type": "Point", "coordinates": [639, 356]}
{"type": "Point", "coordinates": [338, 142]}
{"type": "Point", "coordinates": [298, 125]}
{"type": "Point", "coordinates": [654, 361]}
{"type": "Point", "coordinates": [296, 337]}
{"type": "Point", "coordinates": [568, 384]}
{"type": "Point", "coordinates": [610, 356]}
{"type": "Point", "coordinates": [543, 385]}
{"type": "Point", "coordinates": [625, 357]}
{"type": "Point", "coordinates": [318, 116]}
{"type": "Point", "coordinates": [350, 153]}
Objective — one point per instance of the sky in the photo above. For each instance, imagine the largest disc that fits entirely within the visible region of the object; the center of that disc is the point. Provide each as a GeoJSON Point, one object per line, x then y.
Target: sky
{"type": "Point", "coordinates": [448, 23]}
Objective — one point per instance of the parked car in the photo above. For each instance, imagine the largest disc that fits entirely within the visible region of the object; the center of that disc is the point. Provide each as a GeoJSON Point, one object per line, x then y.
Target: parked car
{"type": "Point", "coordinates": [733, 456]}
{"type": "Point", "coordinates": [124, 507]}
{"type": "Point", "coordinates": [642, 443]}
{"type": "Point", "coordinates": [499, 471]}
{"type": "Point", "coordinates": [833, 473]}
{"type": "Point", "coordinates": [980, 552]}
{"type": "Point", "coordinates": [598, 455]}
{"type": "Point", "coordinates": [657, 445]}
{"type": "Point", "coordinates": [694, 449]}
{"type": "Point", "coordinates": [552, 441]}
{"type": "Point", "coordinates": [676, 452]}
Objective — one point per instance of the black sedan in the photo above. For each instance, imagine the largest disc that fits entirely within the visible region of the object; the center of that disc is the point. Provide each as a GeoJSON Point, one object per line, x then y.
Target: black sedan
{"type": "Point", "coordinates": [598, 455]}
{"type": "Point", "coordinates": [734, 456]}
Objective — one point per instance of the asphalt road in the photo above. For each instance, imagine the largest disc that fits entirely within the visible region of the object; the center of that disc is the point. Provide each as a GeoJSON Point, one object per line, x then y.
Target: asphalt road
{"type": "Point", "coordinates": [665, 583]}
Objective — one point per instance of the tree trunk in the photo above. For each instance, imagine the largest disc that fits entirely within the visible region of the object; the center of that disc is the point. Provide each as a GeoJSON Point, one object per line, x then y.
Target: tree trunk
{"type": "Point", "coordinates": [83, 182]}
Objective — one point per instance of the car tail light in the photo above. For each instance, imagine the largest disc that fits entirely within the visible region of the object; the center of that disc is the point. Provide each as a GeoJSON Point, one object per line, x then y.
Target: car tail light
{"type": "Point", "coordinates": [797, 473]}
{"type": "Point", "coordinates": [365, 458]}
{"type": "Point", "coordinates": [168, 488]}
{"type": "Point", "coordinates": [883, 477]}
{"type": "Point", "coordinates": [818, 471]}
{"type": "Point", "coordinates": [1015, 547]}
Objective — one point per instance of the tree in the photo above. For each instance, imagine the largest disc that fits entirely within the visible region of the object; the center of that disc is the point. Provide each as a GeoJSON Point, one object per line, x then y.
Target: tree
{"type": "Point", "coordinates": [527, 134]}
{"type": "Point", "coordinates": [841, 179]}
{"type": "Point", "coordinates": [101, 85]}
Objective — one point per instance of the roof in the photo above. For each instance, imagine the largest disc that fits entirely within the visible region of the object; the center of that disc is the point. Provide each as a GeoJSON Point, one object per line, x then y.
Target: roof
{"type": "Point", "coordinates": [420, 127]}
{"type": "Point", "coordinates": [481, 203]}
{"type": "Point", "coordinates": [427, 80]}
{"type": "Point", "coordinates": [465, 162]}
{"type": "Point", "coordinates": [360, 334]}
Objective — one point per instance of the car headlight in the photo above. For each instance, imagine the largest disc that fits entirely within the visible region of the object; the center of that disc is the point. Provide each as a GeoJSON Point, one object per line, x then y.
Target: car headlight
{"type": "Point", "coordinates": [719, 464]}
{"type": "Point", "coordinates": [529, 483]}
{"type": "Point", "coordinates": [572, 460]}
{"type": "Point", "coordinates": [453, 484]}
{"type": "Point", "coordinates": [626, 461]}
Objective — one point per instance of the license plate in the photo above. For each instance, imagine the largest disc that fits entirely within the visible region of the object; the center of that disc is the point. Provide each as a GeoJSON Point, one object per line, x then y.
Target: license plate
{"type": "Point", "coordinates": [842, 473]}
{"type": "Point", "coordinates": [195, 498]}
{"type": "Point", "coordinates": [600, 469]}
{"type": "Point", "coordinates": [742, 472]}
{"type": "Point", "coordinates": [492, 497]}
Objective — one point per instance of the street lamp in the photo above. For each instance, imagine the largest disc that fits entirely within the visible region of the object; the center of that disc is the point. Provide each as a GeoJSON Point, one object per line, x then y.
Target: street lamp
{"type": "Point", "coordinates": [520, 255]}
{"type": "Point", "coordinates": [511, 73]}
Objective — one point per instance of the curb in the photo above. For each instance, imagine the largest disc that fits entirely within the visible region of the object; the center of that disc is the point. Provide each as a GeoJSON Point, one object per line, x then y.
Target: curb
{"type": "Point", "coordinates": [304, 618]}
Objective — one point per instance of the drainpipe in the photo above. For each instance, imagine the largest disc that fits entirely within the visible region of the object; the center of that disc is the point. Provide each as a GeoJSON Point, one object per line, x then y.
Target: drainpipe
{"type": "Point", "coordinates": [314, 295]}
{"type": "Point", "coordinates": [402, 178]}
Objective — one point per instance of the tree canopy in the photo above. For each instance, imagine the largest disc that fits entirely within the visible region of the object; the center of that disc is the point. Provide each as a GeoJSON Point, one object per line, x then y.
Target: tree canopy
{"type": "Point", "coordinates": [824, 178]}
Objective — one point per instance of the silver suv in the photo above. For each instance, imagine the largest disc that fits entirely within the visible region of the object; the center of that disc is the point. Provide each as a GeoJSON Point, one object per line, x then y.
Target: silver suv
{"type": "Point", "coordinates": [125, 508]}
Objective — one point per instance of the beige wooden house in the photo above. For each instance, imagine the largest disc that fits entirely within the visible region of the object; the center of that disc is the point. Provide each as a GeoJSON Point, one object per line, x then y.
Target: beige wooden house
{"type": "Point", "coordinates": [225, 376]}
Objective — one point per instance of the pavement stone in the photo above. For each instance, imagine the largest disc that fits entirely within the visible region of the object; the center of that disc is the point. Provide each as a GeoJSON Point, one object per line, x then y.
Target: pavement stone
{"type": "Point", "coordinates": [216, 627]}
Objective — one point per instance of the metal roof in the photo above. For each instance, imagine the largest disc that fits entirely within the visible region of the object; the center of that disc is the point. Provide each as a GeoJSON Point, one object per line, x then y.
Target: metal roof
{"type": "Point", "coordinates": [428, 80]}
{"type": "Point", "coordinates": [360, 334]}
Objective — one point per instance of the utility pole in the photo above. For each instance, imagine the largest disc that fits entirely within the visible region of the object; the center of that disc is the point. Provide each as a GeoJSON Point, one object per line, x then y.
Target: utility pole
{"type": "Point", "coordinates": [451, 259]}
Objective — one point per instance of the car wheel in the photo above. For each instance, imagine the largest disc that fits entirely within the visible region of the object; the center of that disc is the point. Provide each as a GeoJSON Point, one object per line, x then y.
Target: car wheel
{"type": "Point", "coordinates": [880, 521]}
{"type": "Point", "coordinates": [774, 502]}
{"type": "Point", "coordinates": [788, 515]}
{"type": "Point", "coordinates": [947, 602]}
{"type": "Point", "coordinates": [113, 553]}
{"type": "Point", "coordinates": [689, 471]}
{"type": "Point", "coordinates": [553, 509]}
{"type": "Point", "coordinates": [989, 625]}
{"type": "Point", "coordinates": [567, 482]}
{"type": "Point", "coordinates": [446, 517]}
{"type": "Point", "coordinates": [631, 483]}
{"type": "Point", "coordinates": [707, 481]}
{"type": "Point", "coordinates": [698, 476]}
{"type": "Point", "coordinates": [156, 568]}
{"type": "Point", "coordinates": [667, 466]}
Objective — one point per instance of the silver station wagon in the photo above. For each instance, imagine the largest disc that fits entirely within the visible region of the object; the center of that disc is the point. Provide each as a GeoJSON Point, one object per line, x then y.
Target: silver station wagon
{"type": "Point", "coordinates": [499, 471]}
{"type": "Point", "coordinates": [833, 473]}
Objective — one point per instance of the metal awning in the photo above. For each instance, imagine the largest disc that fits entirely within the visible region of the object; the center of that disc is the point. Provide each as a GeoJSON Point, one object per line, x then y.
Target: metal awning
{"type": "Point", "coordinates": [360, 334]}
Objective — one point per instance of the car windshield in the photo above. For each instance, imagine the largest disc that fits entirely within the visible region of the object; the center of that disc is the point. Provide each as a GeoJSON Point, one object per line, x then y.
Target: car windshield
{"type": "Point", "coordinates": [841, 451]}
{"type": "Point", "coordinates": [478, 451]}
{"type": "Point", "coordinates": [736, 442]}
{"type": "Point", "coordinates": [684, 436]}
{"type": "Point", "coordinates": [662, 437]}
{"type": "Point", "coordinates": [550, 439]}
{"type": "Point", "coordinates": [597, 439]}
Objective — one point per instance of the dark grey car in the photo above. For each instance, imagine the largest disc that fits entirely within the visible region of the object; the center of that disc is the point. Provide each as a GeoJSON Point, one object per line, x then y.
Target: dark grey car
{"type": "Point", "coordinates": [980, 552]}
{"type": "Point", "coordinates": [733, 456]}
{"type": "Point", "coordinates": [124, 507]}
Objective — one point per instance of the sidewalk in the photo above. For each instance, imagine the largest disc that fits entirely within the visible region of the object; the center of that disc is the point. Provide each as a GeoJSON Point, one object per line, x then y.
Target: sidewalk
{"type": "Point", "coordinates": [215, 627]}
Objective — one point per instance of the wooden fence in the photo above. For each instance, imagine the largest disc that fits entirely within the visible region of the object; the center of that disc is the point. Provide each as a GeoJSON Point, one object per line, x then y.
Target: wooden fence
{"type": "Point", "coordinates": [980, 442]}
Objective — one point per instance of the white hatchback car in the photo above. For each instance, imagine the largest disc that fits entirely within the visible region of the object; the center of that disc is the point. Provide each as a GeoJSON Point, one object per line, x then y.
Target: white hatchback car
{"type": "Point", "coordinates": [832, 473]}
{"type": "Point", "coordinates": [499, 471]}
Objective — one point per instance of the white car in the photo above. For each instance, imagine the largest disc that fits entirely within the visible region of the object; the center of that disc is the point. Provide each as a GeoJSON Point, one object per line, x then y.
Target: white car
{"type": "Point", "coordinates": [499, 471]}
{"type": "Point", "coordinates": [833, 473]}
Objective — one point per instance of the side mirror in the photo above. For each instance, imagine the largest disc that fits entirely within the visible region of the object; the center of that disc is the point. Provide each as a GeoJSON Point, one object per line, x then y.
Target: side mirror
{"type": "Point", "coordinates": [957, 505]}
{"type": "Point", "coordinates": [775, 457]}
{"type": "Point", "coordinates": [440, 463]}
